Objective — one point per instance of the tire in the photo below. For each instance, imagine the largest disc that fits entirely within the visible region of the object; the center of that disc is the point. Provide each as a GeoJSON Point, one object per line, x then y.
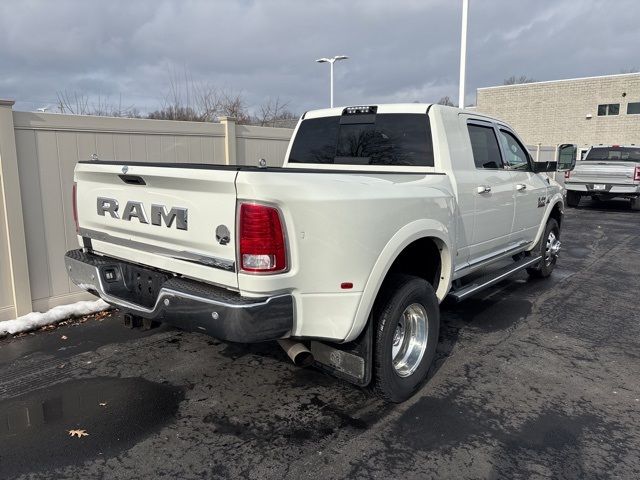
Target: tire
{"type": "Point", "coordinates": [573, 198]}
{"type": "Point", "coordinates": [635, 203]}
{"type": "Point", "coordinates": [549, 259]}
{"type": "Point", "coordinates": [396, 381]}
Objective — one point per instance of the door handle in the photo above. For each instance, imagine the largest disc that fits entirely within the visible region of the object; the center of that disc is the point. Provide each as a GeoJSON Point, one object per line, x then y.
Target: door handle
{"type": "Point", "coordinates": [520, 187]}
{"type": "Point", "coordinates": [484, 189]}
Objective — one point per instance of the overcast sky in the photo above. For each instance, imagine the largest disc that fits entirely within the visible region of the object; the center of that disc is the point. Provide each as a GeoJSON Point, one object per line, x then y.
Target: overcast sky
{"type": "Point", "coordinates": [401, 50]}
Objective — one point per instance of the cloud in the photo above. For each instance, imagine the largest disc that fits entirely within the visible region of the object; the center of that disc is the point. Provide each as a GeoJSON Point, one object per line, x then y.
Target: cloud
{"type": "Point", "coordinates": [400, 51]}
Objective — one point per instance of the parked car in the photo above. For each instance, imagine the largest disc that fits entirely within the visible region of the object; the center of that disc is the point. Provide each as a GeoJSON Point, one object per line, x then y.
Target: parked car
{"type": "Point", "coordinates": [343, 254]}
{"type": "Point", "coordinates": [606, 172]}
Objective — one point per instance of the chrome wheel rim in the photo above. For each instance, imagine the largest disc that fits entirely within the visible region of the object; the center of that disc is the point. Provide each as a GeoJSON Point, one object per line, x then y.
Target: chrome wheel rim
{"type": "Point", "coordinates": [409, 340]}
{"type": "Point", "coordinates": [552, 248]}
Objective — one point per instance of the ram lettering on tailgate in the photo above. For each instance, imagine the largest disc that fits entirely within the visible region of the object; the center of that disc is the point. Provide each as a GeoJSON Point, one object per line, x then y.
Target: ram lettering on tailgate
{"type": "Point", "coordinates": [132, 209]}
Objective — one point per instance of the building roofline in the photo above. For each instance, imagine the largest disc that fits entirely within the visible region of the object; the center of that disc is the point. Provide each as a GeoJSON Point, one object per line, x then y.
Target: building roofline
{"type": "Point", "coordinates": [559, 81]}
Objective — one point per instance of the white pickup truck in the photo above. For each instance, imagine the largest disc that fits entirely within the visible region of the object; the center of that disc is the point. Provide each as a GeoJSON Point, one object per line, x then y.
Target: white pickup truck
{"type": "Point", "coordinates": [343, 254]}
{"type": "Point", "coordinates": [606, 172]}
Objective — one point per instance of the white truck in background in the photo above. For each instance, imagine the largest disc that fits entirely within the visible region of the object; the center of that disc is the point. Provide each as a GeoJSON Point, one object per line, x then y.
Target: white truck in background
{"type": "Point", "coordinates": [606, 172]}
{"type": "Point", "coordinates": [343, 254]}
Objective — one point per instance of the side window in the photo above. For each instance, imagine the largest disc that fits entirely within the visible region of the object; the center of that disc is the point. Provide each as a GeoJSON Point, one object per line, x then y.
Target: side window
{"type": "Point", "coordinates": [608, 109]}
{"type": "Point", "coordinates": [486, 152]}
{"type": "Point", "coordinates": [633, 108]}
{"type": "Point", "coordinates": [516, 157]}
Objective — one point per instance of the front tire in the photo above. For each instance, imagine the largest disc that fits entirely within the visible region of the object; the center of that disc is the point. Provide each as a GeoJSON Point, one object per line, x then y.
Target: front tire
{"type": "Point", "coordinates": [573, 198]}
{"type": "Point", "coordinates": [548, 248]}
{"type": "Point", "coordinates": [407, 321]}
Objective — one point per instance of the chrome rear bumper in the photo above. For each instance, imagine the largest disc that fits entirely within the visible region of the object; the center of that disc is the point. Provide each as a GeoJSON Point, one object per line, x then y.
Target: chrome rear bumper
{"type": "Point", "coordinates": [186, 304]}
{"type": "Point", "coordinates": [611, 189]}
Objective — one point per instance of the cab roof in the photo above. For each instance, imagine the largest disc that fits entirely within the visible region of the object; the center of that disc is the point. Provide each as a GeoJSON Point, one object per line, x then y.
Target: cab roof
{"type": "Point", "coordinates": [382, 108]}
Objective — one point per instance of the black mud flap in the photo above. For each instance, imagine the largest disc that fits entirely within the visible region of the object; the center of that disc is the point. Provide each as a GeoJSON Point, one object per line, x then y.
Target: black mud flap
{"type": "Point", "coordinates": [348, 361]}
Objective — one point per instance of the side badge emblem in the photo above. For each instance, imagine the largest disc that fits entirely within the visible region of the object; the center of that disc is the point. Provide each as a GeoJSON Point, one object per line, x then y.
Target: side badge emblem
{"type": "Point", "coordinates": [125, 169]}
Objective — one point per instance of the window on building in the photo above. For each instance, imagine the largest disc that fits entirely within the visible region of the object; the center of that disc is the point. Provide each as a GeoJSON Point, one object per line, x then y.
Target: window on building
{"type": "Point", "coordinates": [608, 109]}
{"type": "Point", "coordinates": [633, 108]}
{"type": "Point", "coordinates": [484, 144]}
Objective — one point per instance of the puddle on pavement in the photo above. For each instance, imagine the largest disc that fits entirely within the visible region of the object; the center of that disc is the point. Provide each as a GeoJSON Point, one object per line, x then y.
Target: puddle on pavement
{"type": "Point", "coordinates": [115, 412]}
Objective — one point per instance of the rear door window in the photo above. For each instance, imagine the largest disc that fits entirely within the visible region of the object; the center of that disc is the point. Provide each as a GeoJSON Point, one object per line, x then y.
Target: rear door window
{"type": "Point", "coordinates": [393, 139]}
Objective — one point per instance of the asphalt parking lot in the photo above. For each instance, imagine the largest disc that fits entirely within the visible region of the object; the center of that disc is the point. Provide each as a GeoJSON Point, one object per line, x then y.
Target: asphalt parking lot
{"type": "Point", "coordinates": [534, 379]}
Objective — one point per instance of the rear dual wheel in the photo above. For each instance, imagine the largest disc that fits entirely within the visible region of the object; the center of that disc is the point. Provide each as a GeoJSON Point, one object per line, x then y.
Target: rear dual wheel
{"type": "Point", "coordinates": [407, 320]}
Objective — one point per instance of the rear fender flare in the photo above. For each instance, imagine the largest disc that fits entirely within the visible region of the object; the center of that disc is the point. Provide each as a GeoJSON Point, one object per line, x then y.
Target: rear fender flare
{"type": "Point", "coordinates": [404, 237]}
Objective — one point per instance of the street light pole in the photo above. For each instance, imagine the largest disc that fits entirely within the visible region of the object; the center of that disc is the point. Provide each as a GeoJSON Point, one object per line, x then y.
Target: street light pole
{"type": "Point", "coordinates": [463, 52]}
{"type": "Point", "coordinates": [331, 81]}
{"type": "Point", "coordinates": [331, 61]}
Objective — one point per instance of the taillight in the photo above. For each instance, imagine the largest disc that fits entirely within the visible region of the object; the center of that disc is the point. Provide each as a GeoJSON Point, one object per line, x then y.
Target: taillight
{"type": "Point", "coordinates": [262, 242]}
{"type": "Point", "coordinates": [636, 175]}
{"type": "Point", "coordinates": [75, 206]}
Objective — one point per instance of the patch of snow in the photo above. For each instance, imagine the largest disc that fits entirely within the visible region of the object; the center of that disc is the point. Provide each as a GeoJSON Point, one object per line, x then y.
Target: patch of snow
{"type": "Point", "coordinates": [35, 320]}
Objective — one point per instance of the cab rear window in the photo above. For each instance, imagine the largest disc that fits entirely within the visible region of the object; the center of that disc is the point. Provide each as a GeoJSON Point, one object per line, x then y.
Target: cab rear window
{"type": "Point", "coordinates": [631, 154]}
{"type": "Point", "coordinates": [395, 139]}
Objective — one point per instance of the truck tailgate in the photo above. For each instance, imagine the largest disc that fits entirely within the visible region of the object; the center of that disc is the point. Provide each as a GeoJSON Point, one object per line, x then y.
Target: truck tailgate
{"type": "Point", "coordinates": [169, 217]}
{"type": "Point", "coordinates": [604, 172]}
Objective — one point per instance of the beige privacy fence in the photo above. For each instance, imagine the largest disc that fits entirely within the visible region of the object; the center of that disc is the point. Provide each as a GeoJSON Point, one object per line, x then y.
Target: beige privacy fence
{"type": "Point", "coordinates": [38, 152]}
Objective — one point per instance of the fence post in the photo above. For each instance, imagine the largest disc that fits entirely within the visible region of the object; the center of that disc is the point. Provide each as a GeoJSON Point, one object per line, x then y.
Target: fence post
{"type": "Point", "coordinates": [12, 204]}
{"type": "Point", "coordinates": [229, 139]}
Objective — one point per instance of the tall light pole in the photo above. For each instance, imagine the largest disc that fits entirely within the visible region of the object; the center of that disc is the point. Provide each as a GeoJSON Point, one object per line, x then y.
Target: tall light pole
{"type": "Point", "coordinates": [463, 51]}
{"type": "Point", "coordinates": [331, 61]}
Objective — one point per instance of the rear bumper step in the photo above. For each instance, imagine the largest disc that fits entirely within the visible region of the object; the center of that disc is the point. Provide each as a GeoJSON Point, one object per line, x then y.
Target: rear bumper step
{"type": "Point", "coordinates": [186, 304]}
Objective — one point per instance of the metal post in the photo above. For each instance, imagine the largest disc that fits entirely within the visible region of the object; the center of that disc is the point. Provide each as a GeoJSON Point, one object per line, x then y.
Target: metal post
{"type": "Point", "coordinates": [463, 52]}
{"type": "Point", "coordinates": [332, 62]}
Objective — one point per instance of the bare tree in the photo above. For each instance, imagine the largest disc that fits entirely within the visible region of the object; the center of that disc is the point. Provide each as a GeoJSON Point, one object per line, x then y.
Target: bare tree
{"type": "Point", "coordinates": [178, 103]}
{"type": "Point", "coordinates": [233, 105]}
{"type": "Point", "coordinates": [513, 80]}
{"type": "Point", "coordinates": [446, 101]}
{"type": "Point", "coordinates": [630, 70]}
{"type": "Point", "coordinates": [199, 102]}
{"type": "Point", "coordinates": [75, 103]}
{"type": "Point", "coordinates": [187, 100]}
{"type": "Point", "coordinates": [274, 113]}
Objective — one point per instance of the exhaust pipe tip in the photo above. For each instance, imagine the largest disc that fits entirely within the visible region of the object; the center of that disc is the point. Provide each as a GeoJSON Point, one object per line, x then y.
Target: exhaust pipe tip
{"type": "Point", "coordinates": [297, 352]}
{"type": "Point", "coordinates": [303, 359]}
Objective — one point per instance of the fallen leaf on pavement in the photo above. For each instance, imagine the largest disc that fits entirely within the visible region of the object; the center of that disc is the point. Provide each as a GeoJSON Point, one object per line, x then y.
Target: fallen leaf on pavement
{"type": "Point", "coordinates": [78, 433]}
{"type": "Point", "coordinates": [103, 404]}
{"type": "Point", "coordinates": [63, 337]}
